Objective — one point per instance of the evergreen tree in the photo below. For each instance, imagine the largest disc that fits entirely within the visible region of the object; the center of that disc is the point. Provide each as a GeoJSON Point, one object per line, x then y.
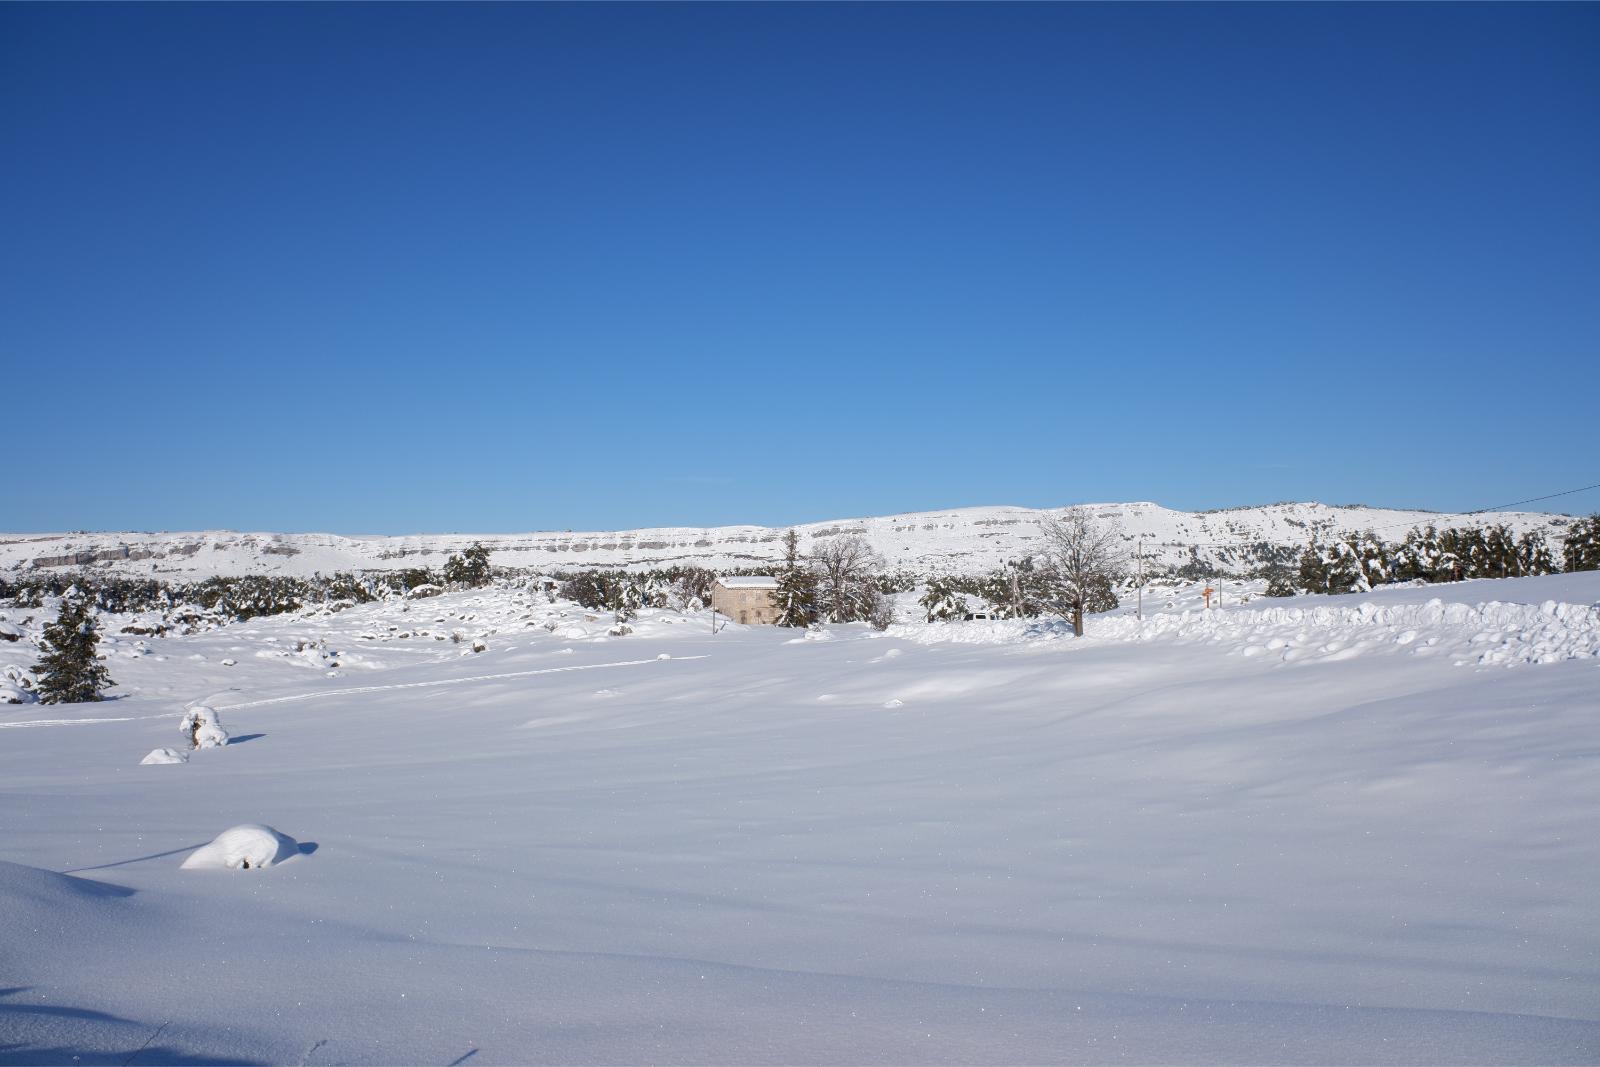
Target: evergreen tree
{"type": "Point", "coordinates": [1534, 556]}
{"type": "Point", "coordinates": [68, 672]}
{"type": "Point", "coordinates": [1372, 559]}
{"type": "Point", "coordinates": [942, 602]}
{"type": "Point", "coordinates": [1332, 568]}
{"type": "Point", "coordinates": [470, 568]}
{"type": "Point", "coordinates": [1280, 583]}
{"type": "Point", "coordinates": [1313, 576]}
{"type": "Point", "coordinates": [1418, 556]}
{"type": "Point", "coordinates": [1581, 547]}
{"type": "Point", "coordinates": [1499, 553]}
{"type": "Point", "coordinates": [796, 595]}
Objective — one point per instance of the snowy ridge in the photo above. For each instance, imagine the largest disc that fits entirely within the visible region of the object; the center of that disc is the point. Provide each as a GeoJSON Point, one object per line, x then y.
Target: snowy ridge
{"type": "Point", "coordinates": [961, 540]}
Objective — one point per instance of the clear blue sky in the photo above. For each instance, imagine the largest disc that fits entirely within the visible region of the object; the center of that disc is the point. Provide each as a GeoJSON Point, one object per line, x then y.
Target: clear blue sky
{"type": "Point", "coordinates": [371, 268]}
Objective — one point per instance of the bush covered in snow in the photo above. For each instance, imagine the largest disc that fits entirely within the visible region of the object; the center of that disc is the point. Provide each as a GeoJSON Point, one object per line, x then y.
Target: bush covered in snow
{"type": "Point", "coordinates": [203, 728]}
{"type": "Point", "coordinates": [245, 847]}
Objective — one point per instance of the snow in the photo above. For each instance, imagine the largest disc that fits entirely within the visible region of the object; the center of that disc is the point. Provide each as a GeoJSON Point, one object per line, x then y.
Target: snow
{"type": "Point", "coordinates": [748, 582]}
{"type": "Point", "coordinates": [159, 756]}
{"type": "Point", "coordinates": [957, 541]}
{"type": "Point", "coordinates": [247, 847]}
{"type": "Point", "coordinates": [1151, 844]}
{"type": "Point", "coordinates": [202, 727]}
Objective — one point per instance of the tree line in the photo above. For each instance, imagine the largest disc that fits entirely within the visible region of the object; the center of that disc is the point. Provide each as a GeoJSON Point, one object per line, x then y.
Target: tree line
{"type": "Point", "coordinates": [1359, 562]}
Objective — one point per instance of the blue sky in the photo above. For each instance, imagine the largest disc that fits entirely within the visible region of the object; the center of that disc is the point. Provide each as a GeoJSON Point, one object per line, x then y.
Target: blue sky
{"type": "Point", "coordinates": [371, 268]}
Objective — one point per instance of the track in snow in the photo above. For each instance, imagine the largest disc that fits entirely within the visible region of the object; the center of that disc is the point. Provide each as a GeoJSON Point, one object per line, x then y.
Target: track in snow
{"type": "Point", "coordinates": [354, 689]}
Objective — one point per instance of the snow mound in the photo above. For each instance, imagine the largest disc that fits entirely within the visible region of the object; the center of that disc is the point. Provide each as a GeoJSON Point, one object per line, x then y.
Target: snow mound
{"type": "Point", "coordinates": [243, 848]}
{"type": "Point", "coordinates": [202, 727]}
{"type": "Point", "coordinates": [12, 695]}
{"type": "Point", "coordinates": [164, 755]}
{"type": "Point", "coordinates": [1492, 634]}
{"type": "Point", "coordinates": [34, 901]}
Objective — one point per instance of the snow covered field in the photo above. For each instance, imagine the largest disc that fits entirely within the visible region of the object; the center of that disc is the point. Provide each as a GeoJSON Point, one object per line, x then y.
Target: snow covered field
{"type": "Point", "coordinates": [1331, 830]}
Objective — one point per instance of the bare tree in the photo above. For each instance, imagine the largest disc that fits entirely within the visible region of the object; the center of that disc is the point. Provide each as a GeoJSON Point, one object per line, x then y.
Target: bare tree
{"type": "Point", "coordinates": [845, 566]}
{"type": "Point", "coordinates": [1082, 557]}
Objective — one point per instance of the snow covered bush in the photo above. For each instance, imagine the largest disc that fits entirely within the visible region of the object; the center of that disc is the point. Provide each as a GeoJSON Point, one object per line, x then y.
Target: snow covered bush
{"type": "Point", "coordinates": [245, 847]}
{"type": "Point", "coordinates": [203, 728]}
{"type": "Point", "coordinates": [19, 684]}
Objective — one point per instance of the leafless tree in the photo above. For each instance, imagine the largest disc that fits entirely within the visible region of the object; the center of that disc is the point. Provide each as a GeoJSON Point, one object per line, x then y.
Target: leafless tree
{"type": "Point", "coordinates": [683, 596]}
{"type": "Point", "coordinates": [845, 567]}
{"type": "Point", "coordinates": [1082, 556]}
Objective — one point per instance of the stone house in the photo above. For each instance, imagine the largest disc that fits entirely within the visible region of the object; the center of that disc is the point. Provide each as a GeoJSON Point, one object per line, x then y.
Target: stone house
{"type": "Point", "coordinates": [747, 600]}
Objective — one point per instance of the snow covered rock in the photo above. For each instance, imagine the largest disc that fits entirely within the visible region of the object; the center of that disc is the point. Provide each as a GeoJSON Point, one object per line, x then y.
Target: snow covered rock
{"type": "Point", "coordinates": [202, 727]}
{"type": "Point", "coordinates": [9, 631]}
{"type": "Point", "coordinates": [12, 695]}
{"type": "Point", "coordinates": [164, 755]}
{"type": "Point", "coordinates": [243, 848]}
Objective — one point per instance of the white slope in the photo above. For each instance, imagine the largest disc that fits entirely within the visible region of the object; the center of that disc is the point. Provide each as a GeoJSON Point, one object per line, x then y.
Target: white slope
{"type": "Point", "coordinates": [1145, 845]}
{"type": "Point", "coordinates": [962, 540]}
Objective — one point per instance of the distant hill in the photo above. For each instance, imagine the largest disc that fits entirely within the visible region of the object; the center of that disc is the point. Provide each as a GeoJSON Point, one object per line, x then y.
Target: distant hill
{"type": "Point", "coordinates": [962, 540]}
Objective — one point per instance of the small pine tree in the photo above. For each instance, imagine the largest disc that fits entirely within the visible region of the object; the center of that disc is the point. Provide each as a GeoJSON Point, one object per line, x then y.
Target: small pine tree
{"type": "Point", "coordinates": [1279, 583]}
{"type": "Point", "coordinates": [1533, 555]}
{"type": "Point", "coordinates": [1332, 568]}
{"type": "Point", "coordinates": [796, 595]}
{"type": "Point", "coordinates": [1313, 573]}
{"type": "Point", "coordinates": [943, 602]}
{"type": "Point", "coordinates": [470, 568]}
{"type": "Point", "coordinates": [68, 672]}
{"type": "Point", "coordinates": [1581, 547]}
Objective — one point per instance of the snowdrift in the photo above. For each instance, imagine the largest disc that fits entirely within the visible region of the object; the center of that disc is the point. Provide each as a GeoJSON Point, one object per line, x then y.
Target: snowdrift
{"type": "Point", "coordinates": [245, 847]}
{"type": "Point", "coordinates": [1490, 634]}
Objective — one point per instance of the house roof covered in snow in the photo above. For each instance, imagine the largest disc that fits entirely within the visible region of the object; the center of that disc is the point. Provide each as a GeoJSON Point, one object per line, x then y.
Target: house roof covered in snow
{"type": "Point", "coordinates": [754, 581]}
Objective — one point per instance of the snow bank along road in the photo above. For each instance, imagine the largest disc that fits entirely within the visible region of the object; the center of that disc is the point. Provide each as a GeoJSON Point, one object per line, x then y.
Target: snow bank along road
{"type": "Point", "coordinates": [1266, 833]}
